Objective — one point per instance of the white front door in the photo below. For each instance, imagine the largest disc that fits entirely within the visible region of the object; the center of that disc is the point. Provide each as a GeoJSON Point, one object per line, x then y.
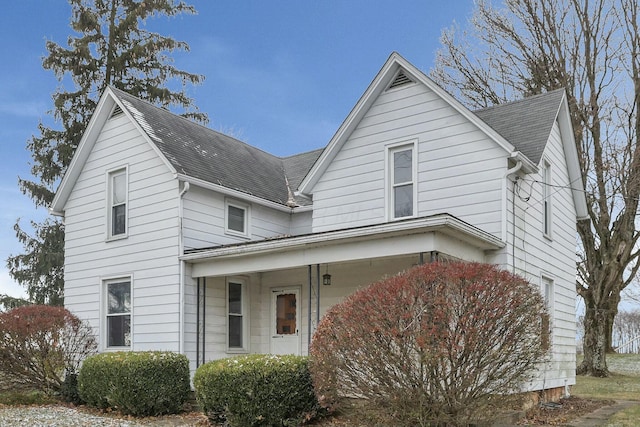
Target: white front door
{"type": "Point", "coordinates": [285, 321]}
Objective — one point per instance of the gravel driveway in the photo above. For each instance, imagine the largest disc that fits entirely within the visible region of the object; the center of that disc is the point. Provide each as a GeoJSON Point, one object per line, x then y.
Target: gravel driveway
{"type": "Point", "coordinates": [61, 416]}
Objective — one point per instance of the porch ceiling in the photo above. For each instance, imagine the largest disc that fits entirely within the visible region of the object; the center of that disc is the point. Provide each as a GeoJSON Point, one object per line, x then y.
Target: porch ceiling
{"type": "Point", "coordinates": [442, 233]}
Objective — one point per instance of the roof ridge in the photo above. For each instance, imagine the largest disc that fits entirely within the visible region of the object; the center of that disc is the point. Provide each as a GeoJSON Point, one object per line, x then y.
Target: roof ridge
{"type": "Point", "coordinates": [518, 101]}
{"type": "Point", "coordinates": [302, 153]}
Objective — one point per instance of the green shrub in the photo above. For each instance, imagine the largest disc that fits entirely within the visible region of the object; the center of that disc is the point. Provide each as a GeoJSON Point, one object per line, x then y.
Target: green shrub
{"type": "Point", "coordinates": [136, 383]}
{"type": "Point", "coordinates": [69, 389]}
{"type": "Point", "coordinates": [257, 390]}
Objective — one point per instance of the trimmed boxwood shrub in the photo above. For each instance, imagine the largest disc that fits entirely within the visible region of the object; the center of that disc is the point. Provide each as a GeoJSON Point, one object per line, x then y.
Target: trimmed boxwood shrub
{"type": "Point", "coordinates": [136, 383]}
{"type": "Point", "coordinates": [256, 390]}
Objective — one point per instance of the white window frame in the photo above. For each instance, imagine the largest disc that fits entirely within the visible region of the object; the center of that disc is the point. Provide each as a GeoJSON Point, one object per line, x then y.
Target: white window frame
{"type": "Point", "coordinates": [389, 181]}
{"type": "Point", "coordinates": [244, 306]}
{"type": "Point", "coordinates": [111, 174]}
{"type": "Point", "coordinates": [549, 294]}
{"type": "Point", "coordinates": [104, 315]}
{"type": "Point", "coordinates": [547, 200]}
{"type": "Point", "coordinates": [247, 215]}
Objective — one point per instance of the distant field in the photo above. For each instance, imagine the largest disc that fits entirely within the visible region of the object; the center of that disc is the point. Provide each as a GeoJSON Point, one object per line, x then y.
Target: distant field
{"type": "Point", "coordinates": [627, 364]}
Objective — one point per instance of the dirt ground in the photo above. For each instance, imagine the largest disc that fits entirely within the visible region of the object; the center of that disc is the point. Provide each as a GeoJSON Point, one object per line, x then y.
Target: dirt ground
{"type": "Point", "coordinates": [543, 415]}
{"type": "Point", "coordinates": [559, 414]}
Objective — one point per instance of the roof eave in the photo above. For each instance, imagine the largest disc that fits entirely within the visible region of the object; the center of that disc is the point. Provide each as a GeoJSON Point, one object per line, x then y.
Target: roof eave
{"type": "Point", "coordinates": [573, 161]}
{"type": "Point", "coordinates": [527, 165]}
{"type": "Point", "coordinates": [441, 222]}
{"type": "Point", "coordinates": [235, 193]}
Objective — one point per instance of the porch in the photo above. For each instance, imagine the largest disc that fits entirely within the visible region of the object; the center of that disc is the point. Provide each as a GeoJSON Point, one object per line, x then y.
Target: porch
{"type": "Point", "coordinates": [268, 296]}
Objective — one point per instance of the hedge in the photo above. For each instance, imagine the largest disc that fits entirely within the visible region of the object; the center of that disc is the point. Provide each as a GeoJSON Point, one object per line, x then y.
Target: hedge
{"type": "Point", "coordinates": [136, 383]}
{"type": "Point", "coordinates": [257, 390]}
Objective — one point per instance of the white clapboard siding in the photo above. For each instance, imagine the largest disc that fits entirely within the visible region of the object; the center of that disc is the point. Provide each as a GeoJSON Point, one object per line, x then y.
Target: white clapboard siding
{"type": "Point", "coordinates": [204, 216]}
{"type": "Point", "coordinates": [301, 223]}
{"type": "Point", "coordinates": [215, 319]}
{"type": "Point", "coordinates": [459, 168]}
{"type": "Point", "coordinates": [149, 252]}
{"type": "Point", "coordinates": [346, 278]}
{"type": "Point", "coordinates": [538, 257]}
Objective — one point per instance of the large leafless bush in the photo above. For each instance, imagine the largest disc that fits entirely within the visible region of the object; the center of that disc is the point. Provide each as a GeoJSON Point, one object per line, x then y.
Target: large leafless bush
{"type": "Point", "coordinates": [40, 344]}
{"type": "Point", "coordinates": [434, 344]}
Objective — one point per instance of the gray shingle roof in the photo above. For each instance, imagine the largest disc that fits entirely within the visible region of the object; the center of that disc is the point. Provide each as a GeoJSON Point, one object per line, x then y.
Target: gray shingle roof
{"type": "Point", "coordinates": [200, 152]}
{"type": "Point", "coordinates": [525, 123]}
{"type": "Point", "coordinates": [297, 166]}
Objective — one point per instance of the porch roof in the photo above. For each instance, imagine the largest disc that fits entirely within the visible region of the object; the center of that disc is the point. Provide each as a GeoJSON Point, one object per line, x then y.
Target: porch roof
{"type": "Point", "coordinates": [441, 232]}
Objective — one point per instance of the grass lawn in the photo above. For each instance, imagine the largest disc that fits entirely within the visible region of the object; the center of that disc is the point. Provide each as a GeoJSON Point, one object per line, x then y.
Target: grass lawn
{"type": "Point", "coordinates": [623, 384]}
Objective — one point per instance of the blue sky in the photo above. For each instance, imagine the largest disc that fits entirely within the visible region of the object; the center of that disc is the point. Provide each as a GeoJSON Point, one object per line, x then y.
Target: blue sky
{"type": "Point", "coordinates": [280, 75]}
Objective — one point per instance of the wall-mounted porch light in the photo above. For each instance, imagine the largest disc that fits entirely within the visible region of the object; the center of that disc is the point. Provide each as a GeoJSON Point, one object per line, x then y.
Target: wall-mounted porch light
{"type": "Point", "coordinates": [326, 277]}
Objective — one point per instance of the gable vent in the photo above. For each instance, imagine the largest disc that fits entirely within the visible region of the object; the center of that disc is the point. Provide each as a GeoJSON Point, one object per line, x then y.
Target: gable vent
{"type": "Point", "coordinates": [116, 112]}
{"type": "Point", "coordinates": [400, 80]}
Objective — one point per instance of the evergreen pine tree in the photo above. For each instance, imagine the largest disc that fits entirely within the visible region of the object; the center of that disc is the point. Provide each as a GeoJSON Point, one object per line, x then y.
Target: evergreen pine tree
{"type": "Point", "coordinates": [111, 46]}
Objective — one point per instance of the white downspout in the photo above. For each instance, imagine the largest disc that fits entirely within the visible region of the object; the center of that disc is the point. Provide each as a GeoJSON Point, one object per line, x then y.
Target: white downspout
{"type": "Point", "coordinates": [508, 173]}
{"type": "Point", "coordinates": [185, 189]}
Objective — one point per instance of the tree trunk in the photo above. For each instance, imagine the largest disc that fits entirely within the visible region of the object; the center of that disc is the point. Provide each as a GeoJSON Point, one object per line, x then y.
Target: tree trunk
{"type": "Point", "coordinates": [611, 317]}
{"type": "Point", "coordinates": [594, 343]}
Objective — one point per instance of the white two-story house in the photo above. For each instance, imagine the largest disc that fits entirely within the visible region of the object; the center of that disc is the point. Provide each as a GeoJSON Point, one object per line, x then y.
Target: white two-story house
{"type": "Point", "coordinates": [181, 238]}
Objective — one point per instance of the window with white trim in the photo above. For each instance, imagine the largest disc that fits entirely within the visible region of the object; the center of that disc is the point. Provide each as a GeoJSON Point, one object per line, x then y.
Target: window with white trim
{"type": "Point", "coordinates": [237, 316]}
{"type": "Point", "coordinates": [402, 188]}
{"type": "Point", "coordinates": [547, 219]}
{"type": "Point", "coordinates": [236, 218]}
{"type": "Point", "coordinates": [117, 199]}
{"type": "Point", "coordinates": [118, 313]}
{"type": "Point", "coordinates": [547, 318]}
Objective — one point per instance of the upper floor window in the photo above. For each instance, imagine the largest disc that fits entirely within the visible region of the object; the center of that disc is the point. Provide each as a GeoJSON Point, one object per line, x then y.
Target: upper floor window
{"type": "Point", "coordinates": [118, 313]}
{"type": "Point", "coordinates": [117, 197]}
{"type": "Point", "coordinates": [237, 218]}
{"type": "Point", "coordinates": [402, 186]}
{"type": "Point", "coordinates": [546, 199]}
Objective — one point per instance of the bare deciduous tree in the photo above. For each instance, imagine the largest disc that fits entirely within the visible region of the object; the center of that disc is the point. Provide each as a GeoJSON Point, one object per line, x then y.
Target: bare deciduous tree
{"type": "Point", "coordinates": [592, 49]}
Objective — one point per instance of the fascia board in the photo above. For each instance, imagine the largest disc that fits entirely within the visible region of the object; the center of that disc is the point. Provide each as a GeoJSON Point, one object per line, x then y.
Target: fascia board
{"type": "Point", "coordinates": [452, 225]}
{"type": "Point", "coordinates": [97, 121]}
{"type": "Point", "coordinates": [236, 194]}
{"type": "Point", "coordinates": [527, 165]}
{"type": "Point", "coordinates": [348, 125]}
{"type": "Point", "coordinates": [378, 84]}
{"type": "Point", "coordinates": [573, 161]}
{"type": "Point", "coordinates": [456, 105]}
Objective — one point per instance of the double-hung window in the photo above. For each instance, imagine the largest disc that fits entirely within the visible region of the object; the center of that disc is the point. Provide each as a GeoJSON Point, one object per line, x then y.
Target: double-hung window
{"type": "Point", "coordinates": [117, 197]}
{"type": "Point", "coordinates": [402, 186]}
{"type": "Point", "coordinates": [237, 319]}
{"type": "Point", "coordinates": [118, 313]}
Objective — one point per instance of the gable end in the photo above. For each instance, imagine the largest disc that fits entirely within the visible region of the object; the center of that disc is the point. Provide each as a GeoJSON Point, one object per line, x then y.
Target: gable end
{"type": "Point", "coordinates": [400, 79]}
{"type": "Point", "coordinates": [117, 111]}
